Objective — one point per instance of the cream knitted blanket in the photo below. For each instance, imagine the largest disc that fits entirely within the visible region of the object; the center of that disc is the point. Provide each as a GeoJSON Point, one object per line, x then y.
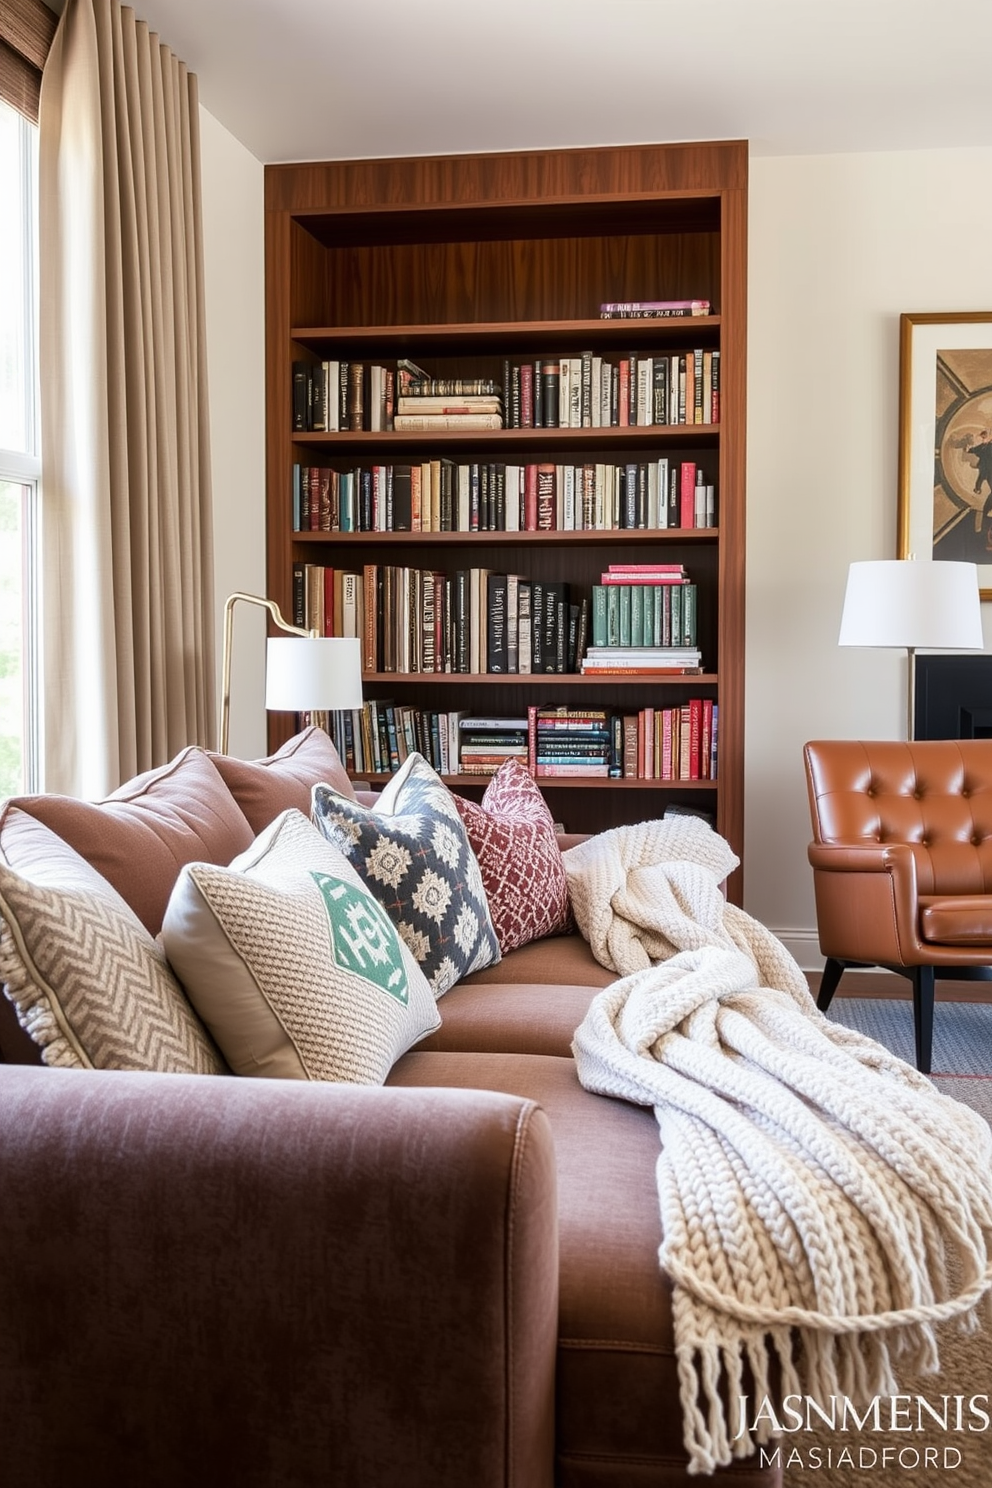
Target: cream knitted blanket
{"type": "Point", "coordinates": [822, 1206]}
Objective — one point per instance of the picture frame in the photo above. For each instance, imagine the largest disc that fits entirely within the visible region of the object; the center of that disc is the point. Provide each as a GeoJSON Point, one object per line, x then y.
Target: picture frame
{"type": "Point", "coordinates": [945, 439]}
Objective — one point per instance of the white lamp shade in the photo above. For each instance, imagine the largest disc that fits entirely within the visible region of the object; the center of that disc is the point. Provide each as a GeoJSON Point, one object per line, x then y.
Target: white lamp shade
{"type": "Point", "coordinates": [909, 603]}
{"type": "Point", "coordinates": [312, 673]}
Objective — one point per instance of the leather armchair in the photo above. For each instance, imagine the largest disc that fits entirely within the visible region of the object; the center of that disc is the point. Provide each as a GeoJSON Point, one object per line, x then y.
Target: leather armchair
{"type": "Point", "coordinates": [902, 863]}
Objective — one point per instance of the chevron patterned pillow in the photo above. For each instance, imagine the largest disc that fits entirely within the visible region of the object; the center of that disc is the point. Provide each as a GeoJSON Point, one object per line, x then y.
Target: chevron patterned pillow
{"type": "Point", "coordinates": [293, 965]}
{"type": "Point", "coordinates": [414, 856]}
{"type": "Point", "coordinates": [89, 983]}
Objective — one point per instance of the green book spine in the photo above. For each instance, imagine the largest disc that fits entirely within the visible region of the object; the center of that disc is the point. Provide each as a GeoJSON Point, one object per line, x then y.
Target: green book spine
{"type": "Point", "coordinates": [599, 603]}
{"type": "Point", "coordinates": [625, 613]}
{"type": "Point", "coordinates": [613, 615]}
{"type": "Point", "coordinates": [638, 594]}
{"type": "Point", "coordinates": [689, 614]}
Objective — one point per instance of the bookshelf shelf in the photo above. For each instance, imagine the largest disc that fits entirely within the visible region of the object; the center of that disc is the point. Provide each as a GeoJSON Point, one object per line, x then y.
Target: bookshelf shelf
{"type": "Point", "coordinates": [638, 437]}
{"type": "Point", "coordinates": [611, 536]}
{"type": "Point", "coordinates": [499, 336]}
{"type": "Point", "coordinates": [463, 264]}
{"type": "Point", "coordinates": [542, 681]}
{"type": "Point", "coordinates": [549, 782]}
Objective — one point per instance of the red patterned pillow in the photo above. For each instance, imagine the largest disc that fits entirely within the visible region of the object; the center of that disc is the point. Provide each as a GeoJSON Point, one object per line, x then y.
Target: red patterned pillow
{"type": "Point", "coordinates": [513, 836]}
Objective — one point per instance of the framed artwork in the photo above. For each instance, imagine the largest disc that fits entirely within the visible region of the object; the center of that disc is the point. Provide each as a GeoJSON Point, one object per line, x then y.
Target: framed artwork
{"type": "Point", "coordinates": [945, 439]}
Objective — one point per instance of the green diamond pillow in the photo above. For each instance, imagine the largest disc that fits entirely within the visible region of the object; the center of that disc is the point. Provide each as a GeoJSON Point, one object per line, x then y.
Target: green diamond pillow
{"type": "Point", "coordinates": [292, 964]}
{"type": "Point", "coordinates": [414, 855]}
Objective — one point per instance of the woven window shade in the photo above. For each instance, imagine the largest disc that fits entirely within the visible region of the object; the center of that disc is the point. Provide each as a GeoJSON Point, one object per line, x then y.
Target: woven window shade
{"type": "Point", "coordinates": [26, 31]}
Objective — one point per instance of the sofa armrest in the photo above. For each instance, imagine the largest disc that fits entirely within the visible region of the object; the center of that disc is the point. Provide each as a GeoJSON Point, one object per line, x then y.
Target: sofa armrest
{"type": "Point", "coordinates": [866, 902]}
{"type": "Point", "coordinates": [262, 1282]}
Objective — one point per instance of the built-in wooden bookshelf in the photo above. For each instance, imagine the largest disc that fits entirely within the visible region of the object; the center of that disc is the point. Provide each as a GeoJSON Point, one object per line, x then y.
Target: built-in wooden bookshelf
{"type": "Point", "coordinates": [459, 264]}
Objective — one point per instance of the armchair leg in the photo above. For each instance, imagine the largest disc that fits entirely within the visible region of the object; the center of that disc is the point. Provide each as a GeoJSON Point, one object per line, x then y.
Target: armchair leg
{"type": "Point", "coordinates": [923, 989]}
{"type": "Point", "coordinates": [833, 970]}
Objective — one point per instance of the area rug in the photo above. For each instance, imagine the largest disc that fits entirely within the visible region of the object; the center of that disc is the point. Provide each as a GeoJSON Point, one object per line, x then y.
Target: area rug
{"type": "Point", "coordinates": [943, 1422]}
{"type": "Point", "coordinates": [962, 1043]}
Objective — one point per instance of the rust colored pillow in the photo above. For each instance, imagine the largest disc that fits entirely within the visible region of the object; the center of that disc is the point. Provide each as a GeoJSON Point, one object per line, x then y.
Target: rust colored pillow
{"type": "Point", "coordinates": [264, 788]}
{"type": "Point", "coordinates": [513, 836]}
{"type": "Point", "coordinates": [142, 834]}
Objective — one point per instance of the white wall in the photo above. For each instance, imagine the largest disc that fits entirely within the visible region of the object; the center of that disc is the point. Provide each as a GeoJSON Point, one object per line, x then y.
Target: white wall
{"type": "Point", "coordinates": [840, 245]}
{"type": "Point", "coordinates": [233, 221]}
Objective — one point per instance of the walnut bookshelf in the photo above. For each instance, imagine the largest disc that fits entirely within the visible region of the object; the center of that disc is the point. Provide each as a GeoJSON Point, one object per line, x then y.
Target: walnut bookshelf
{"type": "Point", "coordinates": [459, 264]}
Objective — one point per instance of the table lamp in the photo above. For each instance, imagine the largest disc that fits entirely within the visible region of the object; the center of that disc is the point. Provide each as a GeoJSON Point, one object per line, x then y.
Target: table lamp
{"type": "Point", "coordinates": [304, 672]}
{"type": "Point", "coordinates": [910, 604]}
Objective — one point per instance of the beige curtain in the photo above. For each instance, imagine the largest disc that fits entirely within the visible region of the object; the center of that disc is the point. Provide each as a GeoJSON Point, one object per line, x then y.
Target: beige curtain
{"type": "Point", "coordinates": [127, 591]}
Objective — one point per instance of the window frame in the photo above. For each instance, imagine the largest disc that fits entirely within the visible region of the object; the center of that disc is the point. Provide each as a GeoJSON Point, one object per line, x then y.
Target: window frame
{"type": "Point", "coordinates": [23, 468]}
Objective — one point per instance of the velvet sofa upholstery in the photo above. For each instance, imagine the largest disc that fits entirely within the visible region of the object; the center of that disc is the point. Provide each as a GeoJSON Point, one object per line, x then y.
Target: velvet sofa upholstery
{"type": "Point", "coordinates": [451, 1279]}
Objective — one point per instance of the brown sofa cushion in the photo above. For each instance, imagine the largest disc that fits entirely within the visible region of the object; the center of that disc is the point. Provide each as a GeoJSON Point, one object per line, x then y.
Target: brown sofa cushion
{"type": "Point", "coordinates": [511, 1018]}
{"type": "Point", "coordinates": [142, 834]}
{"type": "Point", "coordinates": [618, 1389]}
{"type": "Point", "coordinates": [263, 788]}
{"type": "Point", "coordinates": [564, 959]}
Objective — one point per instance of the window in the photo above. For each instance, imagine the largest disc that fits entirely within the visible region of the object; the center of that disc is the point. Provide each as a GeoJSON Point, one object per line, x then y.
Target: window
{"type": "Point", "coordinates": [20, 465]}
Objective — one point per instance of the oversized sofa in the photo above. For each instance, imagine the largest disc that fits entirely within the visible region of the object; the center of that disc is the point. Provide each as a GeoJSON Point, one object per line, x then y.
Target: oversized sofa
{"type": "Point", "coordinates": [450, 1280]}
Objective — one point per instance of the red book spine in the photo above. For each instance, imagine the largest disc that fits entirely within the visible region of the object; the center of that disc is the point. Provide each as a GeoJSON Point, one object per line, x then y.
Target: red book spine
{"type": "Point", "coordinates": [626, 568]}
{"type": "Point", "coordinates": [695, 738]}
{"type": "Point", "coordinates": [687, 494]}
{"type": "Point", "coordinates": [624, 404]}
{"type": "Point", "coordinates": [530, 498]}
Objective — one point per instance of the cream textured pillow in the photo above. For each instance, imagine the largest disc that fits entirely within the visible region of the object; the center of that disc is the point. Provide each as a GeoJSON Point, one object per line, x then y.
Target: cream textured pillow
{"type": "Point", "coordinates": [292, 964]}
{"type": "Point", "coordinates": [89, 984]}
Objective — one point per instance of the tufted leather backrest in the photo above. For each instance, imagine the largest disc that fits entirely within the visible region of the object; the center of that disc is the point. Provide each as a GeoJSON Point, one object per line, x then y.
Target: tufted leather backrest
{"type": "Point", "coordinates": [934, 794]}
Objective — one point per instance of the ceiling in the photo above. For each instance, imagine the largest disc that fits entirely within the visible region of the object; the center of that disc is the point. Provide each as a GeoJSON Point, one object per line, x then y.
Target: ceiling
{"type": "Point", "coordinates": [321, 79]}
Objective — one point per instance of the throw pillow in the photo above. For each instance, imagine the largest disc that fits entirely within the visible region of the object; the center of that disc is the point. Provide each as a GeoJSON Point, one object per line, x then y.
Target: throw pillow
{"type": "Point", "coordinates": [263, 788]}
{"type": "Point", "coordinates": [90, 985]}
{"type": "Point", "coordinates": [292, 964]}
{"type": "Point", "coordinates": [513, 837]}
{"type": "Point", "coordinates": [140, 835]}
{"type": "Point", "coordinates": [414, 855]}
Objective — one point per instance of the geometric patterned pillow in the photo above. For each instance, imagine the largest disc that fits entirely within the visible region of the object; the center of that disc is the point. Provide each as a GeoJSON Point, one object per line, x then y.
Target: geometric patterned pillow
{"type": "Point", "coordinates": [293, 965]}
{"type": "Point", "coordinates": [413, 854]}
{"type": "Point", "coordinates": [513, 836]}
{"type": "Point", "coordinates": [89, 983]}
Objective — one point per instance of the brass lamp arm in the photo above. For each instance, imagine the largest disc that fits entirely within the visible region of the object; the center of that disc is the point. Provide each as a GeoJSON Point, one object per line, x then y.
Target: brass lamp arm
{"type": "Point", "coordinates": [277, 619]}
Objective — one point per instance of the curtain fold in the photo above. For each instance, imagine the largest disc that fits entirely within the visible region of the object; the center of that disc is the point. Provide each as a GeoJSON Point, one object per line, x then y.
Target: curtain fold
{"type": "Point", "coordinates": [127, 590]}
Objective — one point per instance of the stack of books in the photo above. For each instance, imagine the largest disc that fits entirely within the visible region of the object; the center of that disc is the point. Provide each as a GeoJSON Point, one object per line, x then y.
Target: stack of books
{"type": "Point", "coordinates": [572, 742]}
{"type": "Point", "coordinates": [487, 743]}
{"type": "Point", "coordinates": [653, 309]}
{"type": "Point", "coordinates": [450, 404]}
{"type": "Point", "coordinates": [643, 621]}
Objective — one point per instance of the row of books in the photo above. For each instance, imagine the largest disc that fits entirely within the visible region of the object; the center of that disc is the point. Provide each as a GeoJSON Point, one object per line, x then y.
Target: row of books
{"type": "Point", "coordinates": [676, 744]}
{"type": "Point", "coordinates": [590, 391]}
{"type": "Point", "coordinates": [477, 620]}
{"type": "Point", "coordinates": [472, 621]}
{"type": "Point", "coordinates": [587, 391]}
{"type": "Point", "coordinates": [441, 495]}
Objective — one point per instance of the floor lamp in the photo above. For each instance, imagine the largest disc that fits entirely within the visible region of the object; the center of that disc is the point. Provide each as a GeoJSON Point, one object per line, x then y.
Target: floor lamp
{"type": "Point", "coordinates": [910, 604]}
{"type": "Point", "coordinates": [304, 672]}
